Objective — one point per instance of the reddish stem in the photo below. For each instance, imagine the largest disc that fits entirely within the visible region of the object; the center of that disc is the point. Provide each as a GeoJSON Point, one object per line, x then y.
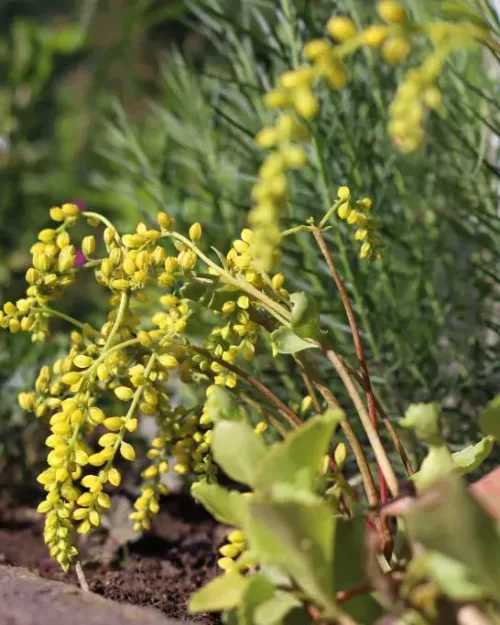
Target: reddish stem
{"type": "Point", "coordinates": [358, 346]}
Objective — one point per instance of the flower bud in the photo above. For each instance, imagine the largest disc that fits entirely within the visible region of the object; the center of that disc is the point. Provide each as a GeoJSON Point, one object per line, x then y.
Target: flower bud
{"type": "Point", "coordinates": [57, 213]}
{"type": "Point", "coordinates": [88, 246]}
{"type": "Point", "coordinates": [188, 262]}
{"type": "Point", "coordinates": [82, 362]}
{"type": "Point", "coordinates": [124, 393]}
{"type": "Point", "coordinates": [164, 221]}
{"type": "Point", "coordinates": [32, 276]}
{"type": "Point", "coordinates": [195, 232]}
{"type": "Point", "coordinates": [341, 28]}
{"type": "Point", "coordinates": [127, 451]}
{"type": "Point", "coordinates": [391, 11]}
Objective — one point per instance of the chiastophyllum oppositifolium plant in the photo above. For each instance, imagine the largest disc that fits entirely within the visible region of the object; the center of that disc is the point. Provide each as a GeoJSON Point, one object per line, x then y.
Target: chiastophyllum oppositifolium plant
{"type": "Point", "coordinates": [426, 307]}
{"type": "Point", "coordinates": [299, 538]}
{"type": "Point", "coordinates": [181, 310]}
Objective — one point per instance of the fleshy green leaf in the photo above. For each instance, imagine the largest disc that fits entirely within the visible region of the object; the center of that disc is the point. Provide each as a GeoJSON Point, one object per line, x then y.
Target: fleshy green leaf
{"type": "Point", "coordinates": [350, 548]}
{"type": "Point", "coordinates": [305, 316]}
{"type": "Point", "coordinates": [285, 341]}
{"type": "Point", "coordinates": [423, 419]}
{"type": "Point", "coordinates": [220, 406]}
{"type": "Point", "coordinates": [222, 593]}
{"type": "Point", "coordinates": [298, 538]}
{"type": "Point", "coordinates": [489, 419]}
{"type": "Point", "coordinates": [275, 609]}
{"type": "Point", "coordinates": [258, 591]}
{"type": "Point", "coordinates": [454, 578]}
{"type": "Point", "coordinates": [349, 570]}
{"type": "Point", "coordinates": [438, 463]}
{"type": "Point", "coordinates": [225, 506]}
{"type": "Point", "coordinates": [472, 456]}
{"type": "Point", "coordinates": [238, 450]}
{"type": "Point", "coordinates": [449, 520]}
{"type": "Point", "coordinates": [296, 460]}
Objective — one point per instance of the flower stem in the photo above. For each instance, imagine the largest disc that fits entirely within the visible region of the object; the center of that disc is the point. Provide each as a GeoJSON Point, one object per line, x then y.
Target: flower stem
{"type": "Point", "coordinates": [358, 345]}
{"type": "Point", "coordinates": [84, 327]}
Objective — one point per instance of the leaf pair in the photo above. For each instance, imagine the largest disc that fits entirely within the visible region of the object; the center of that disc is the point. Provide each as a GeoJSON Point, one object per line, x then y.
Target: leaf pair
{"type": "Point", "coordinates": [287, 525]}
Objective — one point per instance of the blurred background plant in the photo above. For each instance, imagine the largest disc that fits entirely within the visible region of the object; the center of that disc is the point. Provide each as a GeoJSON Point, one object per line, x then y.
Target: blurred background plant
{"type": "Point", "coordinates": [137, 106]}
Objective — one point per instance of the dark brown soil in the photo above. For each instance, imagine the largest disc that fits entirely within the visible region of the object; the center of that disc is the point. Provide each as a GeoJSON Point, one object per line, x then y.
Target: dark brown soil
{"type": "Point", "coordinates": [160, 570]}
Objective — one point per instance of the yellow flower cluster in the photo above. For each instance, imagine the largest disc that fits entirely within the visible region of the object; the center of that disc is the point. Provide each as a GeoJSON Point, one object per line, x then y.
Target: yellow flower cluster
{"type": "Point", "coordinates": [298, 104]}
{"type": "Point", "coordinates": [52, 271]}
{"type": "Point", "coordinates": [357, 214]}
{"type": "Point", "coordinates": [125, 367]}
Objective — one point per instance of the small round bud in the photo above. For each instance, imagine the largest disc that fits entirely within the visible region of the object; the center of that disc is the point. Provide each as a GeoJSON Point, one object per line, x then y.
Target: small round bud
{"type": "Point", "coordinates": [70, 210]}
{"type": "Point", "coordinates": [32, 276]}
{"type": "Point", "coordinates": [340, 455]}
{"type": "Point", "coordinates": [124, 393]}
{"type": "Point", "coordinates": [344, 193]}
{"type": "Point", "coordinates": [82, 362]}
{"type": "Point", "coordinates": [63, 240]}
{"type": "Point", "coordinates": [47, 235]}
{"type": "Point", "coordinates": [306, 103]}
{"type": "Point", "coordinates": [57, 213]}
{"type": "Point", "coordinates": [392, 12]}
{"type": "Point", "coordinates": [395, 50]}
{"type": "Point", "coordinates": [341, 28]}
{"type": "Point", "coordinates": [374, 36]}
{"type": "Point", "coordinates": [276, 99]}
{"type": "Point", "coordinates": [164, 221]}
{"type": "Point", "coordinates": [102, 372]}
{"type": "Point", "coordinates": [188, 262]}
{"type": "Point", "coordinates": [127, 451]}
{"type": "Point", "coordinates": [168, 361]}
{"type": "Point", "coordinates": [316, 48]}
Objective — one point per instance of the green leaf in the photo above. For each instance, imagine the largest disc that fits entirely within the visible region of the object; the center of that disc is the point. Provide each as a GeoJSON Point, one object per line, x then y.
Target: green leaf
{"type": "Point", "coordinates": [455, 579]}
{"type": "Point", "coordinates": [472, 456]}
{"type": "Point", "coordinates": [297, 538]}
{"type": "Point", "coordinates": [67, 39]}
{"type": "Point", "coordinates": [286, 341]}
{"type": "Point", "coordinates": [238, 450]}
{"type": "Point", "coordinates": [438, 463]}
{"type": "Point", "coordinates": [305, 316]}
{"type": "Point", "coordinates": [296, 460]}
{"type": "Point", "coordinates": [222, 593]}
{"type": "Point", "coordinates": [225, 506]}
{"type": "Point", "coordinates": [449, 520]}
{"type": "Point", "coordinates": [349, 553]}
{"type": "Point", "coordinates": [489, 419]}
{"type": "Point", "coordinates": [423, 419]}
{"type": "Point", "coordinates": [349, 570]}
{"type": "Point", "coordinates": [221, 406]}
{"type": "Point", "coordinates": [258, 591]}
{"type": "Point", "coordinates": [275, 609]}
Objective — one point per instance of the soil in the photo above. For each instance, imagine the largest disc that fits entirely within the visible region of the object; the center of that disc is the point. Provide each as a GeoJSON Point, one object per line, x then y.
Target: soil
{"type": "Point", "coordinates": [161, 569]}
